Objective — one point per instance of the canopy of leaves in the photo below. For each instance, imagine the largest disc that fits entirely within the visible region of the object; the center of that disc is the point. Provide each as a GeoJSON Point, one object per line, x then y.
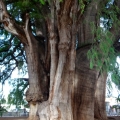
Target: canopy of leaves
{"type": "Point", "coordinates": [2, 107]}
{"type": "Point", "coordinates": [103, 53]}
{"type": "Point", "coordinates": [2, 110]}
{"type": "Point", "coordinates": [11, 55]}
{"type": "Point", "coordinates": [17, 93]}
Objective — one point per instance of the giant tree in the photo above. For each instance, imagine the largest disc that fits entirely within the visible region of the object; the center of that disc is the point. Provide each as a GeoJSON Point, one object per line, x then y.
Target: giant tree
{"type": "Point", "coordinates": [62, 41]}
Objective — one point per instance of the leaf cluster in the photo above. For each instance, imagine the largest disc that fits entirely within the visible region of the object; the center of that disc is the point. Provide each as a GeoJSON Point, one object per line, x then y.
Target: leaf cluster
{"type": "Point", "coordinates": [17, 94]}
{"type": "Point", "coordinates": [2, 110]}
{"type": "Point", "coordinates": [11, 55]}
{"type": "Point", "coordinates": [19, 8]}
{"type": "Point", "coordinates": [83, 5]}
{"type": "Point", "coordinates": [102, 54]}
{"type": "Point", "coordinates": [110, 14]}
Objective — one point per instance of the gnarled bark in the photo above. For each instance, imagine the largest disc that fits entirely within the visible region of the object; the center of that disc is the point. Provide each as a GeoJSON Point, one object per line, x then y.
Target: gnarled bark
{"type": "Point", "coordinates": [74, 87]}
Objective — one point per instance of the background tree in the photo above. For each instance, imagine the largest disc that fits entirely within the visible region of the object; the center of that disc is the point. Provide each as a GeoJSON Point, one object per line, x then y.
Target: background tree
{"type": "Point", "coordinates": [59, 39]}
{"type": "Point", "coordinates": [2, 107]}
{"type": "Point", "coordinates": [17, 94]}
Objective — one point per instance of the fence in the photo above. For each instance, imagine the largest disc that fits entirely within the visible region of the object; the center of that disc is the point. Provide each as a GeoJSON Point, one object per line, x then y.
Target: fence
{"type": "Point", "coordinates": [15, 114]}
{"type": "Point", "coordinates": [13, 118]}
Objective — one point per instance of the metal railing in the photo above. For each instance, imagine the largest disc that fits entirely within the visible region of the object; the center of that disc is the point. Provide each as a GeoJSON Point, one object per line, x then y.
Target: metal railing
{"type": "Point", "coordinates": [14, 114]}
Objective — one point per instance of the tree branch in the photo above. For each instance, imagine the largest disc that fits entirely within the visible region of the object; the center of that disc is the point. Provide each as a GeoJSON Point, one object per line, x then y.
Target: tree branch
{"type": "Point", "coordinates": [10, 24]}
{"type": "Point", "coordinates": [8, 75]}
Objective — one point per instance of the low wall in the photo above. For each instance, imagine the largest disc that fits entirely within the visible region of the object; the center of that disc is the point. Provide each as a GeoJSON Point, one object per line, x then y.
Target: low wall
{"type": "Point", "coordinates": [13, 118]}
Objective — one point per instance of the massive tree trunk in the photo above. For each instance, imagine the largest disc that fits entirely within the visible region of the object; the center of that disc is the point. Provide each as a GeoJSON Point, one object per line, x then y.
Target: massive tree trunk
{"type": "Point", "coordinates": [74, 88]}
{"type": "Point", "coordinates": [84, 87]}
{"type": "Point", "coordinates": [62, 69]}
{"type": "Point", "coordinates": [100, 108]}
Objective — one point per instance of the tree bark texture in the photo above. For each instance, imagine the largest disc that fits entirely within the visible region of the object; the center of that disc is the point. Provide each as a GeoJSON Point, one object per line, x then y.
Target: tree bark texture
{"type": "Point", "coordinates": [61, 86]}
{"type": "Point", "coordinates": [99, 109]}
{"type": "Point", "coordinates": [84, 87]}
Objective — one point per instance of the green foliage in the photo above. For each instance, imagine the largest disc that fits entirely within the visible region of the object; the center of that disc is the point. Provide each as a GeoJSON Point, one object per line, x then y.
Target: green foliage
{"type": "Point", "coordinates": [2, 110]}
{"type": "Point", "coordinates": [42, 2]}
{"type": "Point", "coordinates": [102, 54]}
{"type": "Point", "coordinates": [118, 98]}
{"type": "Point", "coordinates": [83, 5]}
{"type": "Point", "coordinates": [110, 14]}
{"type": "Point", "coordinates": [2, 101]}
{"type": "Point", "coordinates": [19, 8]}
{"type": "Point", "coordinates": [11, 56]}
{"type": "Point", "coordinates": [17, 94]}
{"type": "Point", "coordinates": [115, 76]}
{"type": "Point", "coordinates": [61, 0]}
